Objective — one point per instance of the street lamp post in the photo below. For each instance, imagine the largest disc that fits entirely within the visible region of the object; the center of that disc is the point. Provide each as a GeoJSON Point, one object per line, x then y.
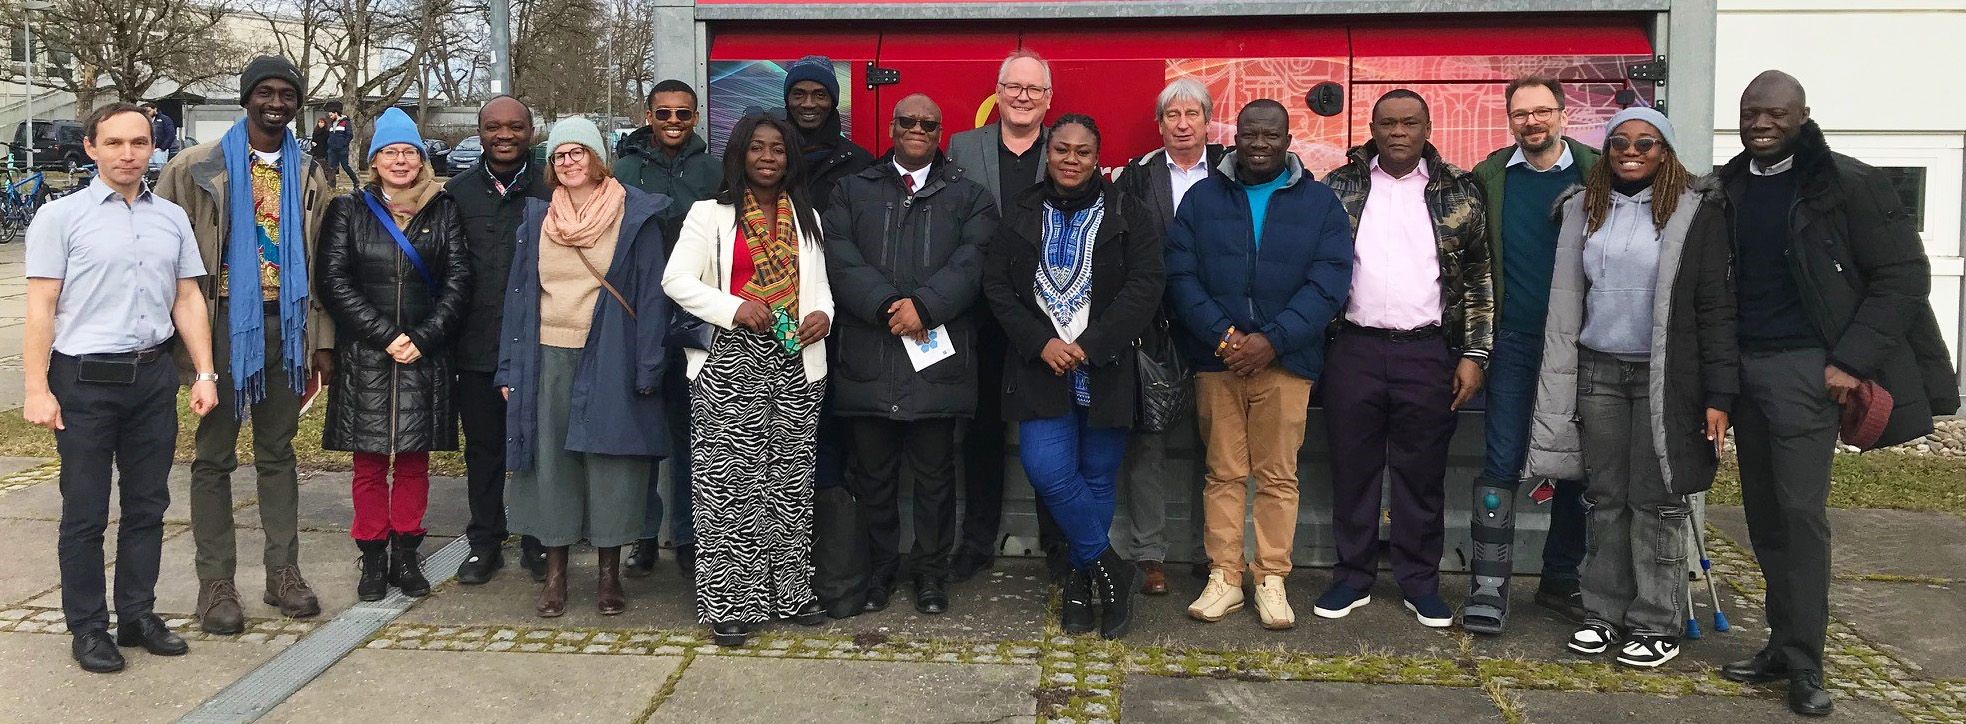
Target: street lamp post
{"type": "Point", "coordinates": [27, 31]}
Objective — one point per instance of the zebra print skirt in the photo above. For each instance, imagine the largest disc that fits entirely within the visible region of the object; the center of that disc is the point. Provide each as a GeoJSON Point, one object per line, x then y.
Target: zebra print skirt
{"type": "Point", "coordinates": [754, 419]}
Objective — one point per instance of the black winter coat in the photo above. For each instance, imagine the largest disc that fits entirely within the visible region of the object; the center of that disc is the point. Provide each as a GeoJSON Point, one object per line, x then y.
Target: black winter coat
{"type": "Point", "coordinates": [883, 246]}
{"type": "Point", "coordinates": [1127, 280]}
{"type": "Point", "coordinates": [374, 404]}
{"type": "Point", "coordinates": [1864, 279]}
{"type": "Point", "coordinates": [490, 222]}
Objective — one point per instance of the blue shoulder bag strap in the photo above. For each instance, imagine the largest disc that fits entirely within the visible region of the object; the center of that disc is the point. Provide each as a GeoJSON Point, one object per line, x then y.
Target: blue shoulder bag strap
{"type": "Point", "coordinates": [402, 242]}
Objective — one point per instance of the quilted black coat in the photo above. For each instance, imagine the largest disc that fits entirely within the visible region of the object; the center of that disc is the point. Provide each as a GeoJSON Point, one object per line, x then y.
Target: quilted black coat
{"type": "Point", "coordinates": [374, 404]}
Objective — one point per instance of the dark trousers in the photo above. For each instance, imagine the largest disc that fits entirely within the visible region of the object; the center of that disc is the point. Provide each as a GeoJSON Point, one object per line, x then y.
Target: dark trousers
{"type": "Point", "coordinates": [339, 160]}
{"type": "Point", "coordinates": [482, 410]}
{"type": "Point", "coordinates": [1513, 367]}
{"type": "Point", "coordinates": [1389, 406]}
{"type": "Point", "coordinates": [275, 420]}
{"type": "Point", "coordinates": [927, 448]}
{"type": "Point", "coordinates": [134, 429]}
{"type": "Point", "coordinates": [983, 458]}
{"type": "Point", "coordinates": [676, 404]}
{"type": "Point", "coordinates": [1785, 426]}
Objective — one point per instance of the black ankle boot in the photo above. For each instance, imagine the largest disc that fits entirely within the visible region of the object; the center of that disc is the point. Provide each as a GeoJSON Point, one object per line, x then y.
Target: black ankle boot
{"type": "Point", "coordinates": [1113, 582]}
{"type": "Point", "coordinates": [374, 583]}
{"type": "Point", "coordinates": [1075, 615]}
{"type": "Point", "coordinates": [641, 558]}
{"type": "Point", "coordinates": [405, 570]}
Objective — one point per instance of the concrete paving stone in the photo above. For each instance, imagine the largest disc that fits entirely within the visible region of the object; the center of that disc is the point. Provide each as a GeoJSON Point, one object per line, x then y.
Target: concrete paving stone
{"type": "Point", "coordinates": [1187, 700]}
{"type": "Point", "coordinates": [1870, 541]}
{"type": "Point", "coordinates": [1917, 621]}
{"type": "Point", "coordinates": [1004, 603]}
{"type": "Point", "coordinates": [44, 684]}
{"type": "Point", "coordinates": [660, 601]}
{"type": "Point", "coordinates": [1565, 706]}
{"type": "Point", "coordinates": [325, 504]}
{"type": "Point", "coordinates": [31, 565]}
{"type": "Point", "coordinates": [1382, 627]}
{"type": "Point", "coordinates": [9, 466]}
{"type": "Point", "coordinates": [42, 501]}
{"type": "Point", "coordinates": [781, 691]}
{"type": "Point", "coordinates": [371, 685]}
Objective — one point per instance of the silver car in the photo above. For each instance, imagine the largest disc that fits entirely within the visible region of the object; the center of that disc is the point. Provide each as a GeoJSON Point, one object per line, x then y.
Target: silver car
{"type": "Point", "coordinates": [465, 154]}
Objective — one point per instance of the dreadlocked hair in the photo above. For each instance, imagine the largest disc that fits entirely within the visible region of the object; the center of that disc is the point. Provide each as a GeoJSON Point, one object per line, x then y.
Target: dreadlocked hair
{"type": "Point", "coordinates": [1668, 183]}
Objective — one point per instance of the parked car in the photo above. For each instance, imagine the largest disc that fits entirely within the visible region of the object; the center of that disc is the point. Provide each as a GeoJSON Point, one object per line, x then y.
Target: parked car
{"type": "Point", "coordinates": [439, 153]}
{"type": "Point", "coordinates": [465, 154]}
{"type": "Point", "coordinates": [57, 144]}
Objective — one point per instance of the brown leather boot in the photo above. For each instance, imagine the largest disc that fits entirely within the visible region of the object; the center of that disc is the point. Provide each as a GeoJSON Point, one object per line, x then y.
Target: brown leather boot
{"type": "Point", "coordinates": [553, 595]}
{"type": "Point", "coordinates": [286, 590]}
{"type": "Point", "coordinates": [609, 597]}
{"type": "Point", "coordinates": [218, 607]}
{"type": "Point", "coordinates": [1153, 578]}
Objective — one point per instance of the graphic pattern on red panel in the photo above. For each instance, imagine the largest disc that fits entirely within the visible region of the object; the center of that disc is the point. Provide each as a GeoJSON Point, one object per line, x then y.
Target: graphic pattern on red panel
{"type": "Point", "coordinates": [1470, 120]}
{"type": "Point", "coordinates": [1234, 82]}
{"type": "Point", "coordinates": [1605, 68]}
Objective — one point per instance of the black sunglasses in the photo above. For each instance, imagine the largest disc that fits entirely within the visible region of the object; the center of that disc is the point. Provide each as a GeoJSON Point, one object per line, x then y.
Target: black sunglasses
{"type": "Point", "coordinates": [681, 114]}
{"type": "Point", "coordinates": [909, 124]}
{"type": "Point", "coordinates": [1620, 143]}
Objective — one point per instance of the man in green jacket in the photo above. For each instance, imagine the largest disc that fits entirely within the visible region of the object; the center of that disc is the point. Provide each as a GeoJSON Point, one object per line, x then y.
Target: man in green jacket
{"type": "Point", "coordinates": [667, 157]}
{"type": "Point", "coordinates": [1522, 182]}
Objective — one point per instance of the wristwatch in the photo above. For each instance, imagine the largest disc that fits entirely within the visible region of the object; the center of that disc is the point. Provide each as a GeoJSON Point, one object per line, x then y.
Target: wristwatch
{"type": "Point", "coordinates": [205, 377]}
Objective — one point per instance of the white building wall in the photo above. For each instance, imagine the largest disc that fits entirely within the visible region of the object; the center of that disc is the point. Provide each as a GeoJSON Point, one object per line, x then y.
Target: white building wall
{"type": "Point", "coordinates": [1884, 83]}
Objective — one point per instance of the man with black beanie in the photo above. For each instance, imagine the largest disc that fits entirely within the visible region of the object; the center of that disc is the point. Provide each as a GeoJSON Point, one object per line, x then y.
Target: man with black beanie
{"type": "Point", "coordinates": [812, 104]}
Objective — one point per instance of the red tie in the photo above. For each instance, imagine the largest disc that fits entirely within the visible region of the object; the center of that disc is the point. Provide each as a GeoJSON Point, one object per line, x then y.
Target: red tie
{"type": "Point", "coordinates": [908, 182]}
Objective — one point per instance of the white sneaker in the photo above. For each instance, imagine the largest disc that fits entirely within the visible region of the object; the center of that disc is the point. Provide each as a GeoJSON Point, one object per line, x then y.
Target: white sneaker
{"type": "Point", "coordinates": [1646, 652]}
{"type": "Point", "coordinates": [1594, 638]}
{"type": "Point", "coordinates": [1272, 606]}
{"type": "Point", "coordinates": [1219, 599]}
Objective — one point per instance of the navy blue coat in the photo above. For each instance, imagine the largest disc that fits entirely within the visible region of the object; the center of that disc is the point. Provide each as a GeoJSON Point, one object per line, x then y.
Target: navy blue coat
{"type": "Point", "coordinates": [623, 356]}
{"type": "Point", "coordinates": [1289, 288]}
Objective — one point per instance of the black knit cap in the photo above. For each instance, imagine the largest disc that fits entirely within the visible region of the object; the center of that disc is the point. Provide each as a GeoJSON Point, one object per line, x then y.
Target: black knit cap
{"type": "Point", "coordinates": [269, 66]}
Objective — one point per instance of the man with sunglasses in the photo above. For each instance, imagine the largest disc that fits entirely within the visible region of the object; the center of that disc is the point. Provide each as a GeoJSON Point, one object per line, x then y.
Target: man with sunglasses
{"type": "Point", "coordinates": [904, 248]}
{"type": "Point", "coordinates": [1521, 182]}
{"type": "Point", "coordinates": [668, 158]}
{"type": "Point", "coordinates": [1004, 158]}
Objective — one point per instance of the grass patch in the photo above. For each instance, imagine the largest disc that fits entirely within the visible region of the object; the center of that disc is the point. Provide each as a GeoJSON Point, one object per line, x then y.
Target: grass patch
{"type": "Point", "coordinates": [1881, 479]}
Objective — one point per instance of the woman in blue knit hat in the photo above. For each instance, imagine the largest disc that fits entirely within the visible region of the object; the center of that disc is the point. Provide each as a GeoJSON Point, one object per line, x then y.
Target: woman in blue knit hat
{"type": "Point", "coordinates": [1639, 371]}
{"type": "Point", "coordinates": [396, 278]}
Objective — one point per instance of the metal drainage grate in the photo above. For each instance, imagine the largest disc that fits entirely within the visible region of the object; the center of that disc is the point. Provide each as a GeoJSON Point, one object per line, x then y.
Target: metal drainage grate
{"type": "Point", "coordinates": [264, 688]}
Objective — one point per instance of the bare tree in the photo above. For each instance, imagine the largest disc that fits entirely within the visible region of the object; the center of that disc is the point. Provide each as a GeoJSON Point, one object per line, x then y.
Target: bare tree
{"type": "Point", "coordinates": [381, 53]}
{"type": "Point", "coordinates": [297, 31]}
{"type": "Point", "coordinates": [130, 45]}
{"type": "Point", "coordinates": [558, 61]}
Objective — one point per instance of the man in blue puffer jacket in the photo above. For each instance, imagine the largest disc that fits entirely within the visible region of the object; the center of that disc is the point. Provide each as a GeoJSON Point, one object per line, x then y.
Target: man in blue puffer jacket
{"type": "Point", "coordinates": [1259, 260]}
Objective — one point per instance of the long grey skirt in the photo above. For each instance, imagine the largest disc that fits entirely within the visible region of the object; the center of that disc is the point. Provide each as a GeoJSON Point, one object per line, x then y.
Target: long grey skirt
{"type": "Point", "coordinates": [567, 496]}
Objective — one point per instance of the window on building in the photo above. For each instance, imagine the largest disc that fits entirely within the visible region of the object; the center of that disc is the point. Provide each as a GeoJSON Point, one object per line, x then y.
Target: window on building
{"type": "Point", "coordinates": [1910, 181]}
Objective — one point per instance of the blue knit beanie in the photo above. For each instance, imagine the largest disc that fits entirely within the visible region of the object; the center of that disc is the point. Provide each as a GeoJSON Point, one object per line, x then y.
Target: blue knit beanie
{"type": "Point", "coordinates": [815, 68]}
{"type": "Point", "coordinates": [1642, 113]}
{"type": "Point", "coordinates": [395, 127]}
{"type": "Point", "coordinates": [577, 130]}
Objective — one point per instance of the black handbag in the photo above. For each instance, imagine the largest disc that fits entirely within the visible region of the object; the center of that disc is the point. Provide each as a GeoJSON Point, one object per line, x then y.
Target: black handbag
{"type": "Point", "coordinates": [1165, 379]}
{"type": "Point", "coordinates": [689, 332]}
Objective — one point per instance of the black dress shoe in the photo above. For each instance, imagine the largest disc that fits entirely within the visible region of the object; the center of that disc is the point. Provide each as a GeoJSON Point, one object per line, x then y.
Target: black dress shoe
{"type": "Point", "coordinates": [931, 595]}
{"type": "Point", "coordinates": [968, 565]}
{"type": "Point", "coordinates": [730, 634]}
{"type": "Point", "coordinates": [532, 557]}
{"type": "Point", "coordinates": [477, 568]}
{"type": "Point", "coordinates": [811, 614]}
{"type": "Point", "coordinates": [150, 632]}
{"type": "Point", "coordinates": [641, 558]}
{"type": "Point", "coordinates": [1761, 669]}
{"type": "Point", "coordinates": [878, 593]}
{"type": "Point", "coordinates": [1564, 597]}
{"type": "Point", "coordinates": [95, 653]}
{"type": "Point", "coordinates": [846, 607]}
{"type": "Point", "coordinates": [1807, 696]}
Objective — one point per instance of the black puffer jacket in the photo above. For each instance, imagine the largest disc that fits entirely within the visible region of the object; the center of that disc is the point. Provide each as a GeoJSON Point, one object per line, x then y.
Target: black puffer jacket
{"type": "Point", "coordinates": [882, 246]}
{"type": "Point", "coordinates": [491, 228]}
{"type": "Point", "coordinates": [374, 404]}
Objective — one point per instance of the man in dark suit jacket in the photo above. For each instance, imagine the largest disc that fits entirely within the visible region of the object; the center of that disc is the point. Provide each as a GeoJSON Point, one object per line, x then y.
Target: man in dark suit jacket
{"type": "Point", "coordinates": [1159, 179]}
{"type": "Point", "coordinates": [1005, 157]}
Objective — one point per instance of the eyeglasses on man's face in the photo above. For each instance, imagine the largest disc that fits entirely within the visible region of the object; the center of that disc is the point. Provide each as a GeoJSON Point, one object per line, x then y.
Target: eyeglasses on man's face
{"type": "Point", "coordinates": [1019, 90]}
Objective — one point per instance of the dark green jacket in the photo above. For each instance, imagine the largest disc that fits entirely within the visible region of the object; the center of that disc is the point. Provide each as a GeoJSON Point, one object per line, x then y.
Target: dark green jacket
{"type": "Point", "coordinates": [686, 178]}
{"type": "Point", "coordinates": [1493, 174]}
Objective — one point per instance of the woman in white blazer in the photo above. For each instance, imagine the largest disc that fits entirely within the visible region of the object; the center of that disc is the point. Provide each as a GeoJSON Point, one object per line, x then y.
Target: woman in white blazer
{"type": "Point", "coordinates": [750, 265]}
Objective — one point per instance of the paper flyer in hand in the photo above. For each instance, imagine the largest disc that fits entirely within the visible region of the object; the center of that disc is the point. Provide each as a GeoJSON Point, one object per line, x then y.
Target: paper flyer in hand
{"type": "Point", "coordinates": [935, 348]}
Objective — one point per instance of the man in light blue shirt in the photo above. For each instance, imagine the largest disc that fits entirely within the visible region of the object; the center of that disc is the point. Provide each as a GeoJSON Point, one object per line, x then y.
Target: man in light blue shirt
{"type": "Point", "coordinates": [111, 276]}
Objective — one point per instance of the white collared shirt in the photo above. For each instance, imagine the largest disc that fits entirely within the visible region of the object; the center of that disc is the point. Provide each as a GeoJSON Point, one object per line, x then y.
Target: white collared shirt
{"type": "Point", "coordinates": [1773, 169]}
{"type": "Point", "coordinates": [1183, 179]}
{"type": "Point", "coordinates": [1562, 162]}
{"type": "Point", "coordinates": [920, 175]}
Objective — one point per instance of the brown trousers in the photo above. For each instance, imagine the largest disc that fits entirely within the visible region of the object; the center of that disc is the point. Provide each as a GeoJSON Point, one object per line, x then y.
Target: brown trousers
{"type": "Point", "coordinates": [1254, 427]}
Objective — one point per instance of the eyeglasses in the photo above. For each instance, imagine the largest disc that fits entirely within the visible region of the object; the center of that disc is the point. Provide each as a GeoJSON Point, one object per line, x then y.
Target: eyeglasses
{"type": "Point", "coordinates": [909, 124]}
{"type": "Point", "coordinates": [1542, 115]}
{"type": "Point", "coordinates": [569, 156]}
{"type": "Point", "coordinates": [1019, 90]}
{"type": "Point", "coordinates": [396, 154]}
{"type": "Point", "coordinates": [1644, 145]}
{"type": "Point", "coordinates": [681, 114]}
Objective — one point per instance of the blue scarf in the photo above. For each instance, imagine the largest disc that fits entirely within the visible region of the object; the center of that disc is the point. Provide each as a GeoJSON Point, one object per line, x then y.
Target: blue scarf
{"type": "Point", "coordinates": [1064, 282]}
{"type": "Point", "coordinates": [242, 253]}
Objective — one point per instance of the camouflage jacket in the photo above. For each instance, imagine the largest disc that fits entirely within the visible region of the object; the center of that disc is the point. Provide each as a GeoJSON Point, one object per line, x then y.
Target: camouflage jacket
{"type": "Point", "coordinates": [1461, 233]}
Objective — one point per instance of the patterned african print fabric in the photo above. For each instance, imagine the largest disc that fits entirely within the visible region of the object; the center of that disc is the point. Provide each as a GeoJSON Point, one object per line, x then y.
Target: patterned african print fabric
{"type": "Point", "coordinates": [774, 255]}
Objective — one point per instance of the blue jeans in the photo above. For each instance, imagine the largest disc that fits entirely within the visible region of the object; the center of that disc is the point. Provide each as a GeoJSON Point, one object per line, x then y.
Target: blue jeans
{"type": "Point", "coordinates": [676, 403]}
{"type": "Point", "coordinates": [1513, 368]}
{"type": "Point", "coordinates": [1073, 467]}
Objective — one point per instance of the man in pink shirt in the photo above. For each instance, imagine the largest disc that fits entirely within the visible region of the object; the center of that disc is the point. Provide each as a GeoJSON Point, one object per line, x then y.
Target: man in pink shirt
{"type": "Point", "coordinates": [1410, 350]}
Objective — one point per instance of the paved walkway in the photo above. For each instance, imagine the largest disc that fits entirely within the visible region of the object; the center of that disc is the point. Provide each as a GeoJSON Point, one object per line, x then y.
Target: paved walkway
{"type": "Point", "coordinates": [474, 654]}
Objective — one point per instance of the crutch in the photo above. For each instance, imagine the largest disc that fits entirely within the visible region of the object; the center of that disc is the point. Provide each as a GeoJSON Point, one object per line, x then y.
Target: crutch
{"type": "Point", "coordinates": [1706, 569]}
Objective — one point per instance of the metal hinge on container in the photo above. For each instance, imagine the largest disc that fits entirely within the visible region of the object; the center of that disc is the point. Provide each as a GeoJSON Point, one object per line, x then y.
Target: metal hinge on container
{"type": "Point", "coordinates": [1654, 71]}
{"type": "Point", "coordinates": [878, 76]}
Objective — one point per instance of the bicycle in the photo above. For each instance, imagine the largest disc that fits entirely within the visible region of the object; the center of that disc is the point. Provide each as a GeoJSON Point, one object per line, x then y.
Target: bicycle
{"type": "Point", "coordinates": [19, 199]}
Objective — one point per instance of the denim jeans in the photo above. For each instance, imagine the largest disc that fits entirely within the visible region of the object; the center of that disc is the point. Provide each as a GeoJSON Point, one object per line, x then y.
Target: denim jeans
{"type": "Point", "coordinates": [1635, 567]}
{"type": "Point", "coordinates": [1073, 467]}
{"type": "Point", "coordinates": [1513, 368]}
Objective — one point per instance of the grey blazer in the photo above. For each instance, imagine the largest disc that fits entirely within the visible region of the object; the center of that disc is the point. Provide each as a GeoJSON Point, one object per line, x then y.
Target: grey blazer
{"type": "Point", "coordinates": [975, 151]}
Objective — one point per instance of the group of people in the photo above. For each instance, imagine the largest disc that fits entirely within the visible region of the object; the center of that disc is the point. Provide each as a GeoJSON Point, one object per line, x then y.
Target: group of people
{"type": "Point", "coordinates": [794, 325]}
